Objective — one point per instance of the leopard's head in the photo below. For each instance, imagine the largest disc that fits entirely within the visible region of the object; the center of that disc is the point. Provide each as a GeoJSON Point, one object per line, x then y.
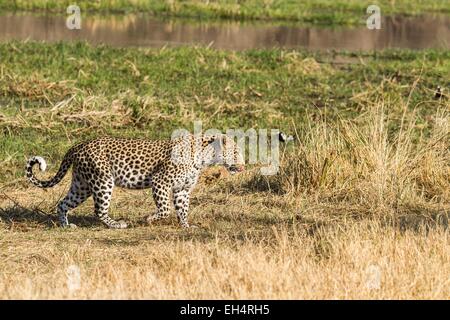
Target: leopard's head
{"type": "Point", "coordinates": [223, 150]}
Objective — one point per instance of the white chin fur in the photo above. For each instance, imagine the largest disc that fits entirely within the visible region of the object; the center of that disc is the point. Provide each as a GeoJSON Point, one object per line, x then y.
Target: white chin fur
{"type": "Point", "coordinates": [42, 163]}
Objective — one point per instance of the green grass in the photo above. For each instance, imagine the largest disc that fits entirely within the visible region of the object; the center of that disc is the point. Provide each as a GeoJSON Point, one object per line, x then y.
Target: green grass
{"type": "Point", "coordinates": [309, 11]}
{"type": "Point", "coordinates": [52, 95]}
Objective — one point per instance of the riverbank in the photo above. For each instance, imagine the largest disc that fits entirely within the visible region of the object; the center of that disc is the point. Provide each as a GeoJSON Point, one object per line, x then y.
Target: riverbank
{"type": "Point", "coordinates": [325, 12]}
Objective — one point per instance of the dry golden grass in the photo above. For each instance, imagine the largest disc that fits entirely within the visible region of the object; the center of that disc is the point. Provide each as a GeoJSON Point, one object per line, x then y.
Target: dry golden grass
{"type": "Point", "coordinates": [355, 212]}
{"type": "Point", "coordinates": [361, 260]}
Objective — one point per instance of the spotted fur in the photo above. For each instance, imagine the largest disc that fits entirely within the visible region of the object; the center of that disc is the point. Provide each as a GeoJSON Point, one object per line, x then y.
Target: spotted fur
{"type": "Point", "coordinates": [169, 167]}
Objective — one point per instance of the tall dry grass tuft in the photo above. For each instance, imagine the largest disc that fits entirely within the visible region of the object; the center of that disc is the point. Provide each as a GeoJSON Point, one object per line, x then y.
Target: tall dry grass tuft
{"type": "Point", "coordinates": [370, 162]}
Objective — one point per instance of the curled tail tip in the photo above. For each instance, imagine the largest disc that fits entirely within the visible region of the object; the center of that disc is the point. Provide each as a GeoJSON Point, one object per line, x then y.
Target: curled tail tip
{"type": "Point", "coordinates": [39, 160]}
{"type": "Point", "coordinates": [65, 165]}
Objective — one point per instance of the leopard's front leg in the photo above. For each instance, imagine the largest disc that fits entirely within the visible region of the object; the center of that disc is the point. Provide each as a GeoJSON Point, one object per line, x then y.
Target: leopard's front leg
{"type": "Point", "coordinates": [161, 195]}
{"type": "Point", "coordinates": [181, 204]}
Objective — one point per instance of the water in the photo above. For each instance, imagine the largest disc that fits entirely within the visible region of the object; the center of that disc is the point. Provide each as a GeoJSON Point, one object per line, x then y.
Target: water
{"type": "Point", "coordinates": [146, 31]}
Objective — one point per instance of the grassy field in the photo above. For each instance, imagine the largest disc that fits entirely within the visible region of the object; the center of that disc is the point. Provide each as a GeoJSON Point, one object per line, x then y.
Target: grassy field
{"type": "Point", "coordinates": [310, 11]}
{"type": "Point", "coordinates": [359, 209]}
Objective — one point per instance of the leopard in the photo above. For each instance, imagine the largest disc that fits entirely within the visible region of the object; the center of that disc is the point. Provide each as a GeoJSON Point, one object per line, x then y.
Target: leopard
{"type": "Point", "coordinates": [169, 167]}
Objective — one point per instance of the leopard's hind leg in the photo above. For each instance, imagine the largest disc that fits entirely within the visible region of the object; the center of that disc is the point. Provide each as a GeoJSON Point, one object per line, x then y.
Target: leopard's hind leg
{"type": "Point", "coordinates": [102, 190]}
{"type": "Point", "coordinates": [78, 193]}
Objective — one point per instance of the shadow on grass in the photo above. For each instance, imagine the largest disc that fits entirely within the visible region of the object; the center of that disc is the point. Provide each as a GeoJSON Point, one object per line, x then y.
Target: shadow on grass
{"type": "Point", "coordinates": [415, 220]}
{"type": "Point", "coordinates": [260, 183]}
{"type": "Point", "coordinates": [420, 220]}
{"type": "Point", "coordinates": [21, 218]}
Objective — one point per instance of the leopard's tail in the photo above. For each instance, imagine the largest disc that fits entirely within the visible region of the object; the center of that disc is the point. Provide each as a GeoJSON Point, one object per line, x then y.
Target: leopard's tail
{"type": "Point", "coordinates": [65, 165]}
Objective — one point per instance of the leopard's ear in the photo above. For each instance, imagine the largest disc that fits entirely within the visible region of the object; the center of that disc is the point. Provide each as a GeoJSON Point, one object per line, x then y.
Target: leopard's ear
{"type": "Point", "coordinates": [210, 139]}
